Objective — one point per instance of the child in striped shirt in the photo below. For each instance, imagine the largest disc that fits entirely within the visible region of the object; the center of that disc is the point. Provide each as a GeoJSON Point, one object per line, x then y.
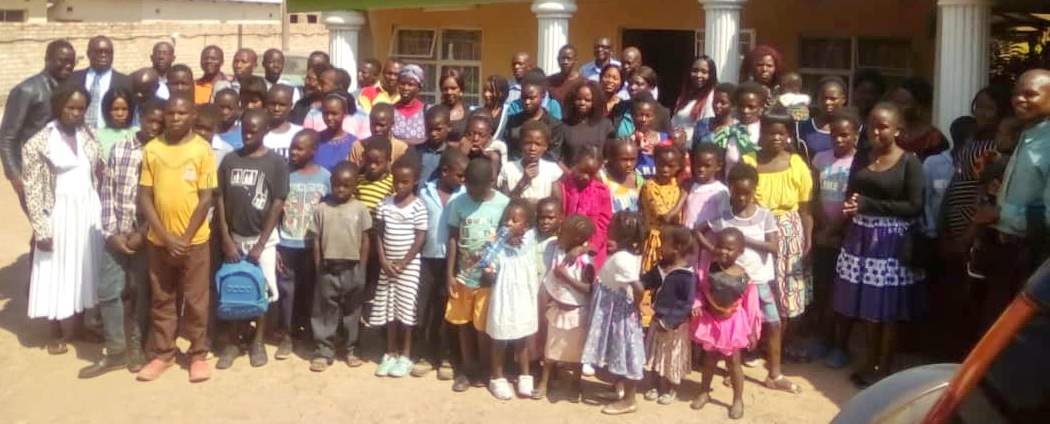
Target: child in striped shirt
{"type": "Point", "coordinates": [402, 229]}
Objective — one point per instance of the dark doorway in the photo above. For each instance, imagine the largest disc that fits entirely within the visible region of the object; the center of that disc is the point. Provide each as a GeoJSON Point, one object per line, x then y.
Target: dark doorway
{"type": "Point", "coordinates": [669, 52]}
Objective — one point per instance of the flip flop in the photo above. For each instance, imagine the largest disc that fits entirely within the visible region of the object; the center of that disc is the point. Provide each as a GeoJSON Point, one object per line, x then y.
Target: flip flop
{"type": "Point", "coordinates": [783, 384]}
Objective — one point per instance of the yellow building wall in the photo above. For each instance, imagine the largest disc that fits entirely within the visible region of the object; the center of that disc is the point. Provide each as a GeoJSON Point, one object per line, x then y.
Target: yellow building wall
{"type": "Point", "coordinates": [510, 27]}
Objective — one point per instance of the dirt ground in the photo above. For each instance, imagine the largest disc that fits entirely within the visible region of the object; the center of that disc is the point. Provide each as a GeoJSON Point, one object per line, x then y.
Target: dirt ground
{"type": "Point", "coordinates": [39, 388]}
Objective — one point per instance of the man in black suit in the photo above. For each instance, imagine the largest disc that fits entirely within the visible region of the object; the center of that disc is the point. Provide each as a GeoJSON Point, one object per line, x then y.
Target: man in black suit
{"type": "Point", "coordinates": [28, 109]}
{"type": "Point", "coordinates": [99, 78]}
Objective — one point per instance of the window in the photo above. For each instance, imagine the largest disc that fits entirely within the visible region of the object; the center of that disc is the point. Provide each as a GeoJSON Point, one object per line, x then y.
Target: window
{"type": "Point", "coordinates": [746, 38]}
{"type": "Point", "coordinates": [311, 19]}
{"type": "Point", "coordinates": [293, 19]}
{"type": "Point", "coordinates": [437, 50]}
{"type": "Point", "coordinates": [8, 15]}
{"type": "Point", "coordinates": [841, 56]}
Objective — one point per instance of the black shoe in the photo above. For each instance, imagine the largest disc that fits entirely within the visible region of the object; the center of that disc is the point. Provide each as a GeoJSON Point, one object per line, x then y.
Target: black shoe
{"type": "Point", "coordinates": [136, 359]}
{"type": "Point", "coordinates": [284, 350]}
{"type": "Point", "coordinates": [461, 383]}
{"type": "Point", "coordinates": [257, 355]}
{"type": "Point", "coordinates": [110, 362]}
{"type": "Point", "coordinates": [229, 353]}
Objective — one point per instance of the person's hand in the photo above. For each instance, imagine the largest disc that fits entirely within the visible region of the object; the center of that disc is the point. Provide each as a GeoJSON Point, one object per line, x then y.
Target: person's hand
{"type": "Point", "coordinates": [44, 245]}
{"type": "Point", "coordinates": [532, 170]}
{"type": "Point", "coordinates": [136, 240]}
{"type": "Point", "coordinates": [752, 341]}
{"type": "Point", "coordinates": [698, 311]}
{"type": "Point", "coordinates": [850, 206]}
{"type": "Point", "coordinates": [561, 272]}
{"type": "Point", "coordinates": [176, 245]}
{"type": "Point", "coordinates": [574, 253]}
{"type": "Point", "coordinates": [388, 268]}
{"type": "Point", "coordinates": [280, 266]}
{"type": "Point", "coordinates": [230, 253]}
{"type": "Point", "coordinates": [255, 253]}
{"type": "Point", "coordinates": [452, 282]}
{"type": "Point", "coordinates": [118, 243]}
{"type": "Point", "coordinates": [646, 309]}
{"type": "Point", "coordinates": [986, 215]}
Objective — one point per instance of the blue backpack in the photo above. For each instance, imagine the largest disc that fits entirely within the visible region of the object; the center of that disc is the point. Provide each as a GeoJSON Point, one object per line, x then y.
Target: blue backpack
{"type": "Point", "coordinates": [241, 287]}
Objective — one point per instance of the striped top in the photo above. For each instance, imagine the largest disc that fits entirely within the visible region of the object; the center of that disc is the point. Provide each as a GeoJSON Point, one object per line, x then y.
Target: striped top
{"type": "Point", "coordinates": [960, 201]}
{"type": "Point", "coordinates": [400, 225]}
{"type": "Point", "coordinates": [372, 192]}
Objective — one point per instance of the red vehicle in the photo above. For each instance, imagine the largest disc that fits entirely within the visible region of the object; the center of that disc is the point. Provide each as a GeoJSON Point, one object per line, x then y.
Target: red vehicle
{"type": "Point", "coordinates": [1004, 380]}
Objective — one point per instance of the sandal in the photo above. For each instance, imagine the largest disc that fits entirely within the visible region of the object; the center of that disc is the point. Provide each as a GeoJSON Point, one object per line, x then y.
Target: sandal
{"type": "Point", "coordinates": [319, 364]}
{"type": "Point", "coordinates": [652, 394]}
{"type": "Point", "coordinates": [57, 347]}
{"type": "Point", "coordinates": [783, 384]}
{"type": "Point", "coordinates": [538, 394]}
{"type": "Point", "coordinates": [667, 398]}
{"type": "Point", "coordinates": [619, 409]}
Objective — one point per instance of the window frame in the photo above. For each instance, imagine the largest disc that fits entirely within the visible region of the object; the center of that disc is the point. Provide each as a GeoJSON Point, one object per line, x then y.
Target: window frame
{"type": "Point", "coordinates": [890, 73]}
{"type": "Point", "coordinates": [701, 42]}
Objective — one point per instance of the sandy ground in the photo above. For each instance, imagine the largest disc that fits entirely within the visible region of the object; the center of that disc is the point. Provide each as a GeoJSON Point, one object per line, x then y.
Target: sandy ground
{"type": "Point", "coordinates": [38, 388]}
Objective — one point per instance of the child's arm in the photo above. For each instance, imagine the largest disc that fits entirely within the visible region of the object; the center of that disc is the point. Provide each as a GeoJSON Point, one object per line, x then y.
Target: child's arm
{"type": "Point", "coordinates": [698, 233]}
{"type": "Point", "coordinates": [769, 245]}
{"type": "Point", "coordinates": [229, 249]}
{"type": "Point", "coordinates": [531, 171]}
{"type": "Point", "coordinates": [204, 202]}
{"type": "Point", "coordinates": [806, 214]}
{"type": "Point", "coordinates": [583, 284]}
{"type": "Point", "coordinates": [674, 216]}
{"type": "Point", "coordinates": [417, 246]}
{"type": "Point", "coordinates": [378, 232]}
{"type": "Point", "coordinates": [452, 250]}
{"type": "Point", "coordinates": [174, 244]}
{"type": "Point", "coordinates": [318, 257]}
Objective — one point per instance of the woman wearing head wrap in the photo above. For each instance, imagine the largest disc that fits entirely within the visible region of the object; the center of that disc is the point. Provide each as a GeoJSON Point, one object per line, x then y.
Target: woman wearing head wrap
{"type": "Point", "coordinates": [408, 121]}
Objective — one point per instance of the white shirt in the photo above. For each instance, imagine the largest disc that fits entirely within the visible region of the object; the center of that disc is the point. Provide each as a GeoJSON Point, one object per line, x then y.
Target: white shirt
{"type": "Point", "coordinates": [103, 87]}
{"type": "Point", "coordinates": [539, 187]}
{"type": "Point", "coordinates": [281, 142]}
{"type": "Point", "coordinates": [620, 269]}
{"type": "Point", "coordinates": [162, 89]}
{"type": "Point", "coordinates": [759, 265]}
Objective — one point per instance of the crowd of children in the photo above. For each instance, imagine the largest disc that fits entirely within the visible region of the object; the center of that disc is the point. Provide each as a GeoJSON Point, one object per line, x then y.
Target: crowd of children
{"type": "Point", "coordinates": [763, 231]}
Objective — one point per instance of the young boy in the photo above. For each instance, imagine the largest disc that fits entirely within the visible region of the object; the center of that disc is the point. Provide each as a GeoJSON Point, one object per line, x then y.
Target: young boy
{"type": "Point", "coordinates": [180, 81]}
{"type": "Point", "coordinates": [832, 168]}
{"type": "Point", "coordinates": [432, 334]}
{"type": "Point", "coordinates": [125, 263]}
{"type": "Point", "coordinates": [229, 114]}
{"type": "Point", "coordinates": [253, 183]}
{"type": "Point", "coordinates": [279, 105]}
{"type": "Point", "coordinates": [381, 120]}
{"type": "Point", "coordinates": [472, 221]}
{"type": "Point", "coordinates": [177, 182]}
{"type": "Point", "coordinates": [307, 185]}
{"type": "Point", "coordinates": [340, 247]}
{"type": "Point", "coordinates": [532, 177]}
{"type": "Point", "coordinates": [252, 94]}
{"type": "Point", "coordinates": [205, 126]}
{"type": "Point", "coordinates": [438, 125]}
{"type": "Point", "coordinates": [750, 105]}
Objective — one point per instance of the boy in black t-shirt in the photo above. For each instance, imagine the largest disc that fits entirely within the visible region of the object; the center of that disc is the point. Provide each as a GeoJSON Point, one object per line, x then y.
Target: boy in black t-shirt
{"type": "Point", "coordinates": [253, 184]}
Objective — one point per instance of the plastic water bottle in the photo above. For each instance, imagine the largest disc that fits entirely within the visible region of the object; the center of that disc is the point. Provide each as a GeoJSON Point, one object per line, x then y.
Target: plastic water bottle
{"type": "Point", "coordinates": [493, 249]}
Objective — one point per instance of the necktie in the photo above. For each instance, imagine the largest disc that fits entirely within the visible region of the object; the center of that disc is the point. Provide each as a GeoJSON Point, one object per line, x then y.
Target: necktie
{"type": "Point", "coordinates": [91, 117]}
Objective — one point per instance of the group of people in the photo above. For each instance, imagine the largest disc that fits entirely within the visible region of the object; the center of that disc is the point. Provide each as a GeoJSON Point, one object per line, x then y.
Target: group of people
{"type": "Point", "coordinates": [572, 217]}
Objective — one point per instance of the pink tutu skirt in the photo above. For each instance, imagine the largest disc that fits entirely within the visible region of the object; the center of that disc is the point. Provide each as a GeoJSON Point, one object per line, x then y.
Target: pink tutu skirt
{"type": "Point", "coordinates": [729, 335]}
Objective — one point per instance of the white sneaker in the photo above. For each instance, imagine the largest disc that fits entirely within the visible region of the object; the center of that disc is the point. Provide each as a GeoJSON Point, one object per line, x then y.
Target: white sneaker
{"type": "Point", "coordinates": [525, 386]}
{"type": "Point", "coordinates": [588, 370]}
{"type": "Point", "coordinates": [500, 389]}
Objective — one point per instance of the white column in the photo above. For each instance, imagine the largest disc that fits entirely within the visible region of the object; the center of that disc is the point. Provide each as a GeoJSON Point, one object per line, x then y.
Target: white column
{"type": "Point", "coordinates": [963, 28]}
{"type": "Point", "coordinates": [344, 27]}
{"type": "Point", "coordinates": [722, 36]}
{"type": "Point", "coordinates": [553, 18]}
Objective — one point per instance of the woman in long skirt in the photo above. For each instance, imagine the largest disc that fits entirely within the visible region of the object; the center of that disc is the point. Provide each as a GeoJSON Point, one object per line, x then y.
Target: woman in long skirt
{"type": "Point", "coordinates": [874, 280]}
{"type": "Point", "coordinates": [62, 168]}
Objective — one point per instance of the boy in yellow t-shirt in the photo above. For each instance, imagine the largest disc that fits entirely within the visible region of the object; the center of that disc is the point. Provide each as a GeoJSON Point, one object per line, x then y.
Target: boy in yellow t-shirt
{"type": "Point", "coordinates": [178, 177]}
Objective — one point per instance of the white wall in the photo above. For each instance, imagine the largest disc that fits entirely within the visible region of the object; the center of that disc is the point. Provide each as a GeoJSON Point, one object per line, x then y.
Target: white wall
{"type": "Point", "coordinates": [37, 9]}
{"type": "Point", "coordinates": [163, 10]}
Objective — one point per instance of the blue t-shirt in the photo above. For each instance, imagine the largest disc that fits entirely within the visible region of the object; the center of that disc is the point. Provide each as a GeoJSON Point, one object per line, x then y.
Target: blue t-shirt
{"type": "Point", "coordinates": [304, 193]}
{"type": "Point", "coordinates": [437, 219]}
{"type": "Point", "coordinates": [515, 106]}
{"type": "Point", "coordinates": [817, 140]}
{"type": "Point", "coordinates": [331, 152]}
{"type": "Point", "coordinates": [233, 137]}
{"type": "Point", "coordinates": [429, 159]}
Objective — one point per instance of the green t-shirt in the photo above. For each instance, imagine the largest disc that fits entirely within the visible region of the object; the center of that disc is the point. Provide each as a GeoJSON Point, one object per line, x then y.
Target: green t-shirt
{"type": "Point", "coordinates": [478, 223]}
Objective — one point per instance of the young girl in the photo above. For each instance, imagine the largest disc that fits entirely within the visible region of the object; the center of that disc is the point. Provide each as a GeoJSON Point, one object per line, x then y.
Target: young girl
{"type": "Point", "coordinates": [750, 106]}
{"type": "Point", "coordinates": [707, 196]}
{"type": "Point", "coordinates": [674, 287]}
{"type": "Point", "coordinates": [401, 223]}
{"type": "Point", "coordinates": [814, 134]}
{"type": "Point", "coordinates": [785, 186]}
{"type": "Point", "coordinates": [616, 339]}
{"type": "Point", "coordinates": [727, 319]}
{"type": "Point", "coordinates": [568, 286]}
{"type": "Point", "coordinates": [335, 143]}
{"type": "Point", "coordinates": [512, 303]}
{"type": "Point", "coordinates": [582, 193]}
{"type": "Point", "coordinates": [620, 174]}
{"type": "Point", "coordinates": [724, 130]}
{"type": "Point", "coordinates": [661, 203]}
{"type": "Point", "coordinates": [646, 136]}
{"type": "Point", "coordinates": [117, 105]}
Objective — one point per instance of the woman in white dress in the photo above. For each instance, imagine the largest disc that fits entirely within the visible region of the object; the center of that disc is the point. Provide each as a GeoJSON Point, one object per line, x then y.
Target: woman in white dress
{"type": "Point", "coordinates": [62, 168]}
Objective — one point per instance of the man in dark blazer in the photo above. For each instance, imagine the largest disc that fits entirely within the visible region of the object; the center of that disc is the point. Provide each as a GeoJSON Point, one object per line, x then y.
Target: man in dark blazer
{"type": "Point", "coordinates": [99, 78]}
{"type": "Point", "coordinates": [28, 109]}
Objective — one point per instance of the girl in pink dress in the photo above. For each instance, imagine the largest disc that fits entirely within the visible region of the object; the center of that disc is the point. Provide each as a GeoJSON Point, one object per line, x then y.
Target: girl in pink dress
{"type": "Point", "coordinates": [582, 192]}
{"type": "Point", "coordinates": [727, 319]}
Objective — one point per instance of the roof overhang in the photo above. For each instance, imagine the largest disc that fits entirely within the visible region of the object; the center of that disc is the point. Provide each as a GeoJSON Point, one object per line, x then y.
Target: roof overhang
{"type": "Point", "coordinates": [296, 6]}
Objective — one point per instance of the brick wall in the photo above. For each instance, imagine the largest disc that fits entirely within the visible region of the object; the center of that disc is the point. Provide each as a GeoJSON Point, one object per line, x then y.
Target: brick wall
{"type": "Point", "coordinates": [22, 45]}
